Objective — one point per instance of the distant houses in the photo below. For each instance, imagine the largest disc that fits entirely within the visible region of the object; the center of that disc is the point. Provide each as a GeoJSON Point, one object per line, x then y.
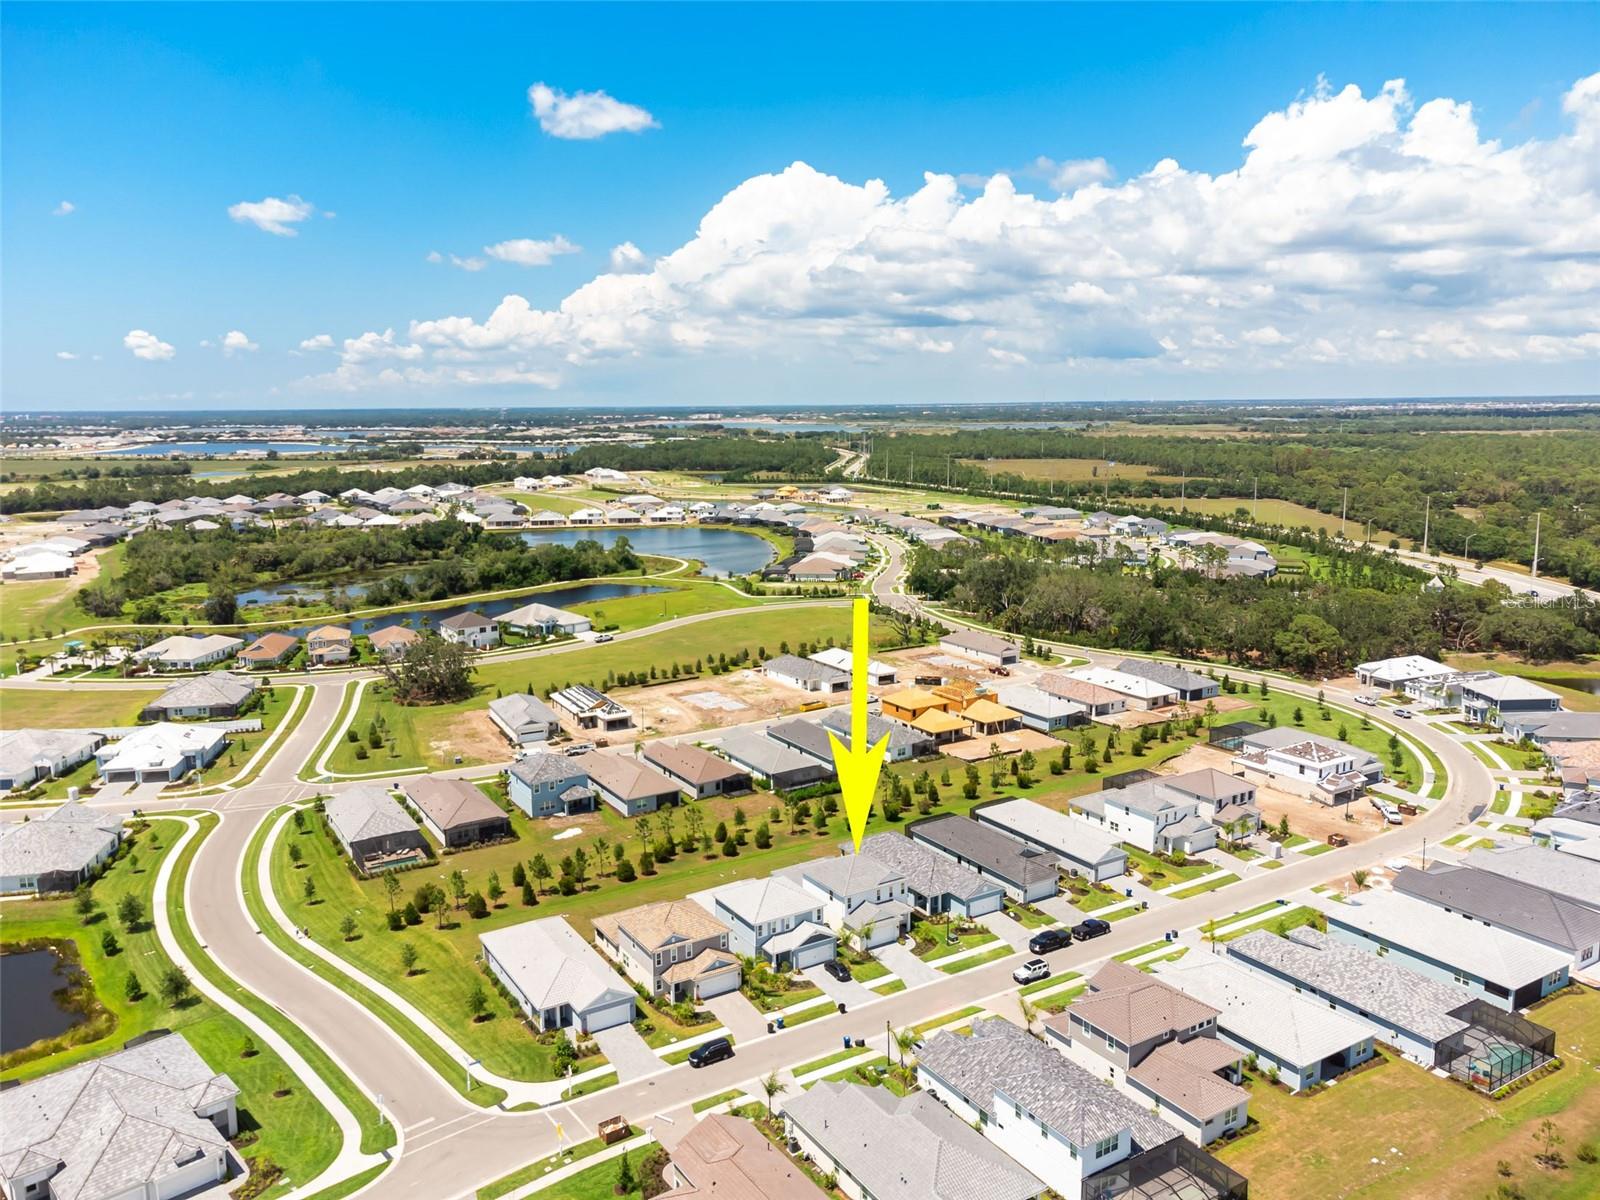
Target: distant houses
{"type": "Point", "coordinates": [189, 652]}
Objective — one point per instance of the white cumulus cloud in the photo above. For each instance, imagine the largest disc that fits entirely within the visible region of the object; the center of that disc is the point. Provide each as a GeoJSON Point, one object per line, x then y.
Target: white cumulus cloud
{"type": "Point", "coordinates": [65, 208]}
{"type": "Point", "coordinates": [585, 115]}
{"type": "Point", "coordinates": [531, 252]}
{"type": "Point", "coordinates": [1355, 232]}
{"type": "Point", "coordinates": [66, 355]}
{"type": "Point", "coordinates": [455, 260]}
{"type": "Point", "coordinates": [235, 342]}
{"type": "Point", "coordinates": [148, 346]}
{"type": "Point", "coordinates": [273, 215]}
{"type": "Point", "coordinates": [320, 341]}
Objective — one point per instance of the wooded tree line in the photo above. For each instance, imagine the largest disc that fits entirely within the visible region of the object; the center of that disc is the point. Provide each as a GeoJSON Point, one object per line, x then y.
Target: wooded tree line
{"type": "Point", "coordinates": [1301, 624]}
{"type": "Point", "coordinates": [1484, 486]}
{"type": "Point", "coordinates": [737, 456]}
{"type": "Point", "coordinates": [452, 559]}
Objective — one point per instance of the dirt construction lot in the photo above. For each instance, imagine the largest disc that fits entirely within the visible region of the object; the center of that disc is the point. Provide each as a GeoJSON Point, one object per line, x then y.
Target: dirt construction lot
{"type": "Point", "coordinates": [713, 702]}
{"type": "Point", "coordinates": [1306, 817]}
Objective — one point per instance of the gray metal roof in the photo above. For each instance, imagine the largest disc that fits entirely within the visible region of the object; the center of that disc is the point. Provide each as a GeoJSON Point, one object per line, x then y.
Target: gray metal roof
{"type": "Point", "coordinates": [1167, 674]}
{"type": "Point", "coordinates": [1394, 995]}
{"type": "Point", "coordinates": [1076, 841]}
{"type": "Point", "coordinates": [936, 1155]}
{"type": "Point", "coordinates": [1529, 910]}
{"type": "Point", "coordinates": [1000, 1058]}
{"type": "Point", "coordinates": [927, 872]}
{"type": "Point", "coordinates": [987, 847]}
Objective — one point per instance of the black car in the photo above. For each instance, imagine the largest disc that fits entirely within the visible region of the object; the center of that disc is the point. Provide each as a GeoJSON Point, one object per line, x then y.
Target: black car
{"type": "Point", "coordinates": [837, 969]}
{"type": "Point", "coordinates": [710, 1052]}
{"type": "Point", "coordinates": [1092, 928]}
{"type": "Point", "coordinates": [1047, 940]}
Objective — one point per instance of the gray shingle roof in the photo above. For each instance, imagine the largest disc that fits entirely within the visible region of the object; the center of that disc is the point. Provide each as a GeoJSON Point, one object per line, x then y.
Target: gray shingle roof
{"type": "Point", "coordinates": [999, 1057]}
{"type": "Point", "coordinates": [66, 839]}
{"type": "Point", "coordinates": [900, 735]}
{"type": "Point", "coordinates": [927, 872]}
{"type": "Point", "coordinates": [793, 666]}
{"type": "Point", "coordinates": [1529, 910]}
{"type": "Point", "coordinates": [977, 640]}
{"type": "Point", "coordinates": [991, 850]}
{"type": "Point", "coordinates": [1166, 674]}
{"type": "Point", "coordinates": [546, 767]}
{"type": "Point", "coordinates": [519, 711]}
{"type": "Point", "coordinates": [936, 1155]}
{"type": "Point", "coordinates": [23, 750]}
{"type": "Point", "coordinates": [1565, 874]}
{"type": "Point", "coordinates": [366, 811]}
{"type": "Point", "coordinates": [219, 689]}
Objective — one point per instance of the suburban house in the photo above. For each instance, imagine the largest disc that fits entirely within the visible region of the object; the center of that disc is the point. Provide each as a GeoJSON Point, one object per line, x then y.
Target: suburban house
{"type": "Point", "coordinates": [187, 652]}
{"type": "Point", "coordinates": [589, 709]}
{"type": "Point", "coordinates": [879, 674]}
{"type": "Point", "coordinates": [524, 719]}
{"type": "Point", "coordinates": [698, 773]}
{"type": "Point", "coordinates": [543, 784]}
{"type": "Point", "coordinates": [909, 703]}
{"type": "Point", "coordinates": [782, 768]}
{"type": "Point", "coordinates": [935, 882]}
{"type": "Point", "coordinates": [724, 1155]}
{"type": "Point", "coordinates": [57, 851]}
{"type": "Point", "coordinates": [269, 650]}
{"type": "Point", "coordinates": [455, 811]}
{"type": "Point", "coordinates": [374, 830]}
{"type": "Point", "coordinates": [29, 755]}
{"type": "Point", "coordinates": [218, 694]}
{"type": "Point", "coordinates": [1040, 710]}
{"type": "Point", "coordinates": [545, 619]}
{"type": "Point", "coordinates": [819, 568]}
{"type": "Point", "coordinates": [775, 919]}
{"type": "Point", "coordinates": [1524, 909]}
{"type": "Point", "coordinates": [1097, 701]}
{"type": "Point", "coordinates": [1191, 686]}
{"type": "Point", "coordinates": [1140, 693]}
{"type": "Point", "coordinates": [806, 674]}
{"type": "Point", "coordinates": [1564, 874]}
{"type": "Point", "coordinates": [470, 629]}
{"type": "Point", "coordinates": [985, 647]}
{"type": "Point", "coordinates": [161, 753]}
{"type": "Point", "coordinates": [985, 718]}
{"type": "Point", "coordinates": [1076, 845]}
{"type": "Point", "coordinates": [1027, 873]}
{"type": "Point", "coordinates": [1083, 1138]}
{"type": "Point", "coordinates": [1506, 969]}
{"type": "Point", "coordinates": [1174, 812]}
{"type": "Point", "coordinates": [1438, 1025]}
{"type": "Point", "coordinates": [1307, 764]}
{"type": "Point", "coordinates": [1303, 1042]}
{"type": "Point", "coordinates": [1392, 674]}
{"type": "Point", "coordinates": [150, 1120]}
{"type": "Point", "coordinates": [1489, 701]}
{"type": "Point", "coordinates": [674, 949]}
{"type": "Point", "coordinates": [626, 784]}
{"type": "Point", "coordinates": [864, 899]}
{"type": "Point", "coordinates": [392, 641]}
{"type": "Point", "coordinates": [557, 978]}
{"type": "Point", "coordinates": [328, 646]}
{"type": "Point", "coordinates": [905, 742]}
{"type": "Point", "coordinates": [846, 1130]}
{"type": "Point", "coordinates": [1158, 1045]}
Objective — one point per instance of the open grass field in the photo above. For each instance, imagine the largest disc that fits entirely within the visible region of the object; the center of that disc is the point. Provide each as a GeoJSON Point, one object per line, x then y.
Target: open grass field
{"type": "Point", "coordinates": [40, 607]}
{"type": "Point", "coordinates": [294, 1131]}
{"type": "Point", "coordinates": [1557, 676]}
{"type": "Point", "coordinates": [426, 736]}
{"type": "Point", "coordinates": [687, 598]}
{"type": "Point", "coordinates": [73, 708]}
{"type": "Point", "coordinates": [1398, 1131]}
{"type": "Point", "coordinates": [1276, 512]}
{"type": "Point", "coordinates": [1064, 470]}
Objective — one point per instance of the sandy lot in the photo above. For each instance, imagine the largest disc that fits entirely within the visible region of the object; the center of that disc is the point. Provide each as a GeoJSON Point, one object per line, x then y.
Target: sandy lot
{"type": "Point", "coordinates": [977, 749]}
{"type": "Point", "coordinates": [713, 702]}
{"type": "Point", "coordinates": [931, 661]}
{"type": "Point", "coordinates": [473, 736]}
{"type": "Point", "coordinates": [1306, 817]}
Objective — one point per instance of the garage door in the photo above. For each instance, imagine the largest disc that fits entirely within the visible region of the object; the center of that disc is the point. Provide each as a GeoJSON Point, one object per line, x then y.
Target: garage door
{"type": "Point", "coordinates": [985, 904]}
{"type": "Point", "coordinates": [719, 985]}
{"type": "Point", "coordinates": [608, 1015]}
{"type": "Point", "coordinates": [813, 955]}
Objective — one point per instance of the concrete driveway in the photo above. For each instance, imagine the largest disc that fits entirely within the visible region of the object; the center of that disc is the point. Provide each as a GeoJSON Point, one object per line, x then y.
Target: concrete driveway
{"type": "Point", "coordinates": [907, 965]}
{"type": "Point", "coordinates": [846, 992]}
{"type": "Point", "coordinates": [738, 1016]}
{"type": "Point", "coordinates": [1014, 933]}
{"type": "Point", "coordinates": [627, 1052]}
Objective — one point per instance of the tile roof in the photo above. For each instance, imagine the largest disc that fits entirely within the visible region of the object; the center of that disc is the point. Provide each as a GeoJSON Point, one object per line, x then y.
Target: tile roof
{"type": "Point", "coordinates": [656, 925]}
{"type": "Point", "coordinates": [927, 872]}
{"type": "Point", "coordinates": [1080, 690]}
{"type": "Point", "coordinates": [116, 1123]}
{"type": "Point", "coordinates": [1394, 995]}
{"type": "Point", "coordinates": [729, 1158]}
{"type": "Point", "coordinates": [450, 802]}
{"type": "Point", "coordinates": [689, 762]}
{"type": "Point", "coordinates": [1184, 1075]}
{"type": "Point", "coordinates": [269, 647]}
{"type": "Point", "coordinates": [937, 1156]}
{"type": "Point", "coordinates": [998, 1057]}
{"type": "Point", "coordinates": [393, 635]}
{"type": "Point", "coordinates": [160, 746]}
{"type": "Point", "coordinates": [1134, 1007]}
{"type": "Point", "coordinates": [219, 689]}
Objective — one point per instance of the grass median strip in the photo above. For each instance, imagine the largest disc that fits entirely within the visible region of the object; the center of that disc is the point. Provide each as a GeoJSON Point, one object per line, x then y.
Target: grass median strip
{"type": "Point", "coordinates": [426, 1048]}
{"type": "Point", "coordinates": [948, 1018]}
{"type": "Point", "coordinates": [712, 1101]}
{"type": "Point", "coordinates": [977, 960]}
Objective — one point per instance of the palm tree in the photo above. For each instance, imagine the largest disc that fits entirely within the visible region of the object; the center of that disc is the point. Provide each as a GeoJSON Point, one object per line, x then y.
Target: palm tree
{"type": "Point", "coordinates": [905, 1040]}
{"type": "Point", "coordinates": [773, 1086]}
{"type": "Point", "coordinates": [1359, 878]}
{"type": "Point", "coordinates": [1030, 1012]}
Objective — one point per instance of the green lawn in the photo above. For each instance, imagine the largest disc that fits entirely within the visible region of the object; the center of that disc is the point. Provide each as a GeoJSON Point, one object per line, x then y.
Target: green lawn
{"type": "Point", "coordinates": [1209, 885]}
{"type": "Point", "coordinates": [685, 599]}
{"type": "Point", "coordinates": [294, 1131]}
{"type": "Point", "coordinates": [73, 708]}
{"type": "Point", "coordinates": [527, 1174]}
{"type": "Point", "coordinates": [1280, 922]}
{"type": "Point", "coordinates": [978, 960]}
{"type": "Point", "coordinates": [719, 1098]}
{"type": "Point", "coordinates": [971, 1010]}
{"type": "Point", "coordinates": [1338, 1141]}
{"type": "Point", "coordinates": [598, 1182]}
{"type": "Point", "coordinates": [1156, 873]}
{"type": "Point", "coordinates": [1040, 985]}
{"type": "Point", "coordinates": [942, 948]}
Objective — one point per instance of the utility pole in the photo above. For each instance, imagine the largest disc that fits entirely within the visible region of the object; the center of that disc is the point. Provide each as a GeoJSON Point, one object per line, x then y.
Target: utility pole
{"type": "Point", "coordinates": [1537, 518]}
{"type": "Point", "coordinates": [1427, 515]}
{"type": "Point", "coordinates": [946, 470]}
{"type": "Point", "coordinates": [1344, 510]}
{"type": "Point", "coordinates": [1255, 498]}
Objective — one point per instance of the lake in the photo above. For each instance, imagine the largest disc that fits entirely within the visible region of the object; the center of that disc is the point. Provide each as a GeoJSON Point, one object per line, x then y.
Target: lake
{"type": "Point", "coordinates": [724, 551]}
{"type": "Point", "coordinates": [1578, 683]}
{"type": "Point", "coordinates": [28, 1008]}
{"type": "Point", "coordinates": [155, 449]}
{"type": "Point", "coordinates": [273, 593]}
{"type": "Point", "coordinates": [423, 618]}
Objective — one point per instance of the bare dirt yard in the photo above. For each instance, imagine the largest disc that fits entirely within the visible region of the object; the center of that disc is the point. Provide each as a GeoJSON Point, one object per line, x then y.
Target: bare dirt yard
{"type": "Point", "coordinates": [473, 736]}
{"type": "Point", "coordinates": [977, 749]}
{"type": "Point", "coordinates": [714, 702]}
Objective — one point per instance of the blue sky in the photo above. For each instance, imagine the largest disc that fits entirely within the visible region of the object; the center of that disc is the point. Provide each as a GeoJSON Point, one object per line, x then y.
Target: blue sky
{"type": "Point", "coordinates": [412, 126]}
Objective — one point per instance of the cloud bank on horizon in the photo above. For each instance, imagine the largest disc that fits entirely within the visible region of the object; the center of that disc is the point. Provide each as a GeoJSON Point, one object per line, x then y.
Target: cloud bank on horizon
{"type": "Point", "coordinates": [1357, 229]}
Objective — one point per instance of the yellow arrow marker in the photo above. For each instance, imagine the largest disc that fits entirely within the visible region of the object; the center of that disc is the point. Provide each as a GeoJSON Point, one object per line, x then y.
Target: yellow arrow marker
{"type": "Point", "coordinates": [858, 764]}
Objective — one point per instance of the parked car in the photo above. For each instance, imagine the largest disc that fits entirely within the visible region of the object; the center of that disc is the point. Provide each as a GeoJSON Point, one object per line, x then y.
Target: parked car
{"type": "Point", "coordinates": [1403, 713]}
{"type": "Point", "coordinates": [1093, 927]}
{"type": "Point", "coordinates": [1047, 940]}
{"type": "Point", "coordinates": [710, 1052]}
{"type": "Point", "coordinates": [1033, 969]}
{"type": "Point", "coordinates": [1367, 700]}
{"type": "Point", "coordinates": [837, 969]}
{"type": "Point", "coordinates": [602, 637]}
{"type": "Point", "coordinates": [578, 748]}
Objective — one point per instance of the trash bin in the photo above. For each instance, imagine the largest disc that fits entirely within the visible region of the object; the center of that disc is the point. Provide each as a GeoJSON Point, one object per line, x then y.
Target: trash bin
{"type": "Point", "coordinates": [841, 1009]}
{"type": "Point", "coordinates": [771, 1028]}
{"type": "Point", "coordinates": [847, 1041]}
{"type": "Point", "coordinates": [780, 1020]}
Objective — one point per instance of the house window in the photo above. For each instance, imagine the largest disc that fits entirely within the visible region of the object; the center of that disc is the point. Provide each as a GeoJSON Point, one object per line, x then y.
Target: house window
{"type": "Point", "coordinates": [1106, 1145]}
{"type": "Point", "coordinates": [1233, 1116]}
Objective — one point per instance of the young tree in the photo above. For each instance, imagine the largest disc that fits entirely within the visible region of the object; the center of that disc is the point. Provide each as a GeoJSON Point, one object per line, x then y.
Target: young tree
{"type": "Point", "coordinates": [83, 903]}
{"type": "Point", "coordinates": [175, 986]}
{"type": "Point", "coordinates": [625, 871]}
{"type": "Point", "coordinates": [130, 911]}
{"type": "Point", "coordinates": [477, 1002]}
{"type": "Point", "coordinates": [772, 1086]}
{"type": "Point", "coordinates": [408, 958]}
{"type": "Point", "coordinates": [763, 837]}
{"type": "Point", "coordinates": [347, 927]}
{"type": "Point", "coordinates": [295, 853]}
{"type": "Point", "coordinates": [494, 888]}
{"type": "Point", "coordinates": [458, 886]}
{"type": "Point", "coordinates": [310, 889]}
{"type": "Point", "coordinates": [247, 1048]}
{"type": "Point", "coordinates": [529, 899]}
{"type": "Point", "coordinates": [626, 1181]}
{"type": "Point", "coordinates": [391, 887]}
{"type": "Point", "coordinates": [519, 875]}
{"type": "Point", "coordinates": [540, 870]}
{"type": "Point", "coordinates": [109, 946]}
{"type": "Point", "coordinates": [134, 991]}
